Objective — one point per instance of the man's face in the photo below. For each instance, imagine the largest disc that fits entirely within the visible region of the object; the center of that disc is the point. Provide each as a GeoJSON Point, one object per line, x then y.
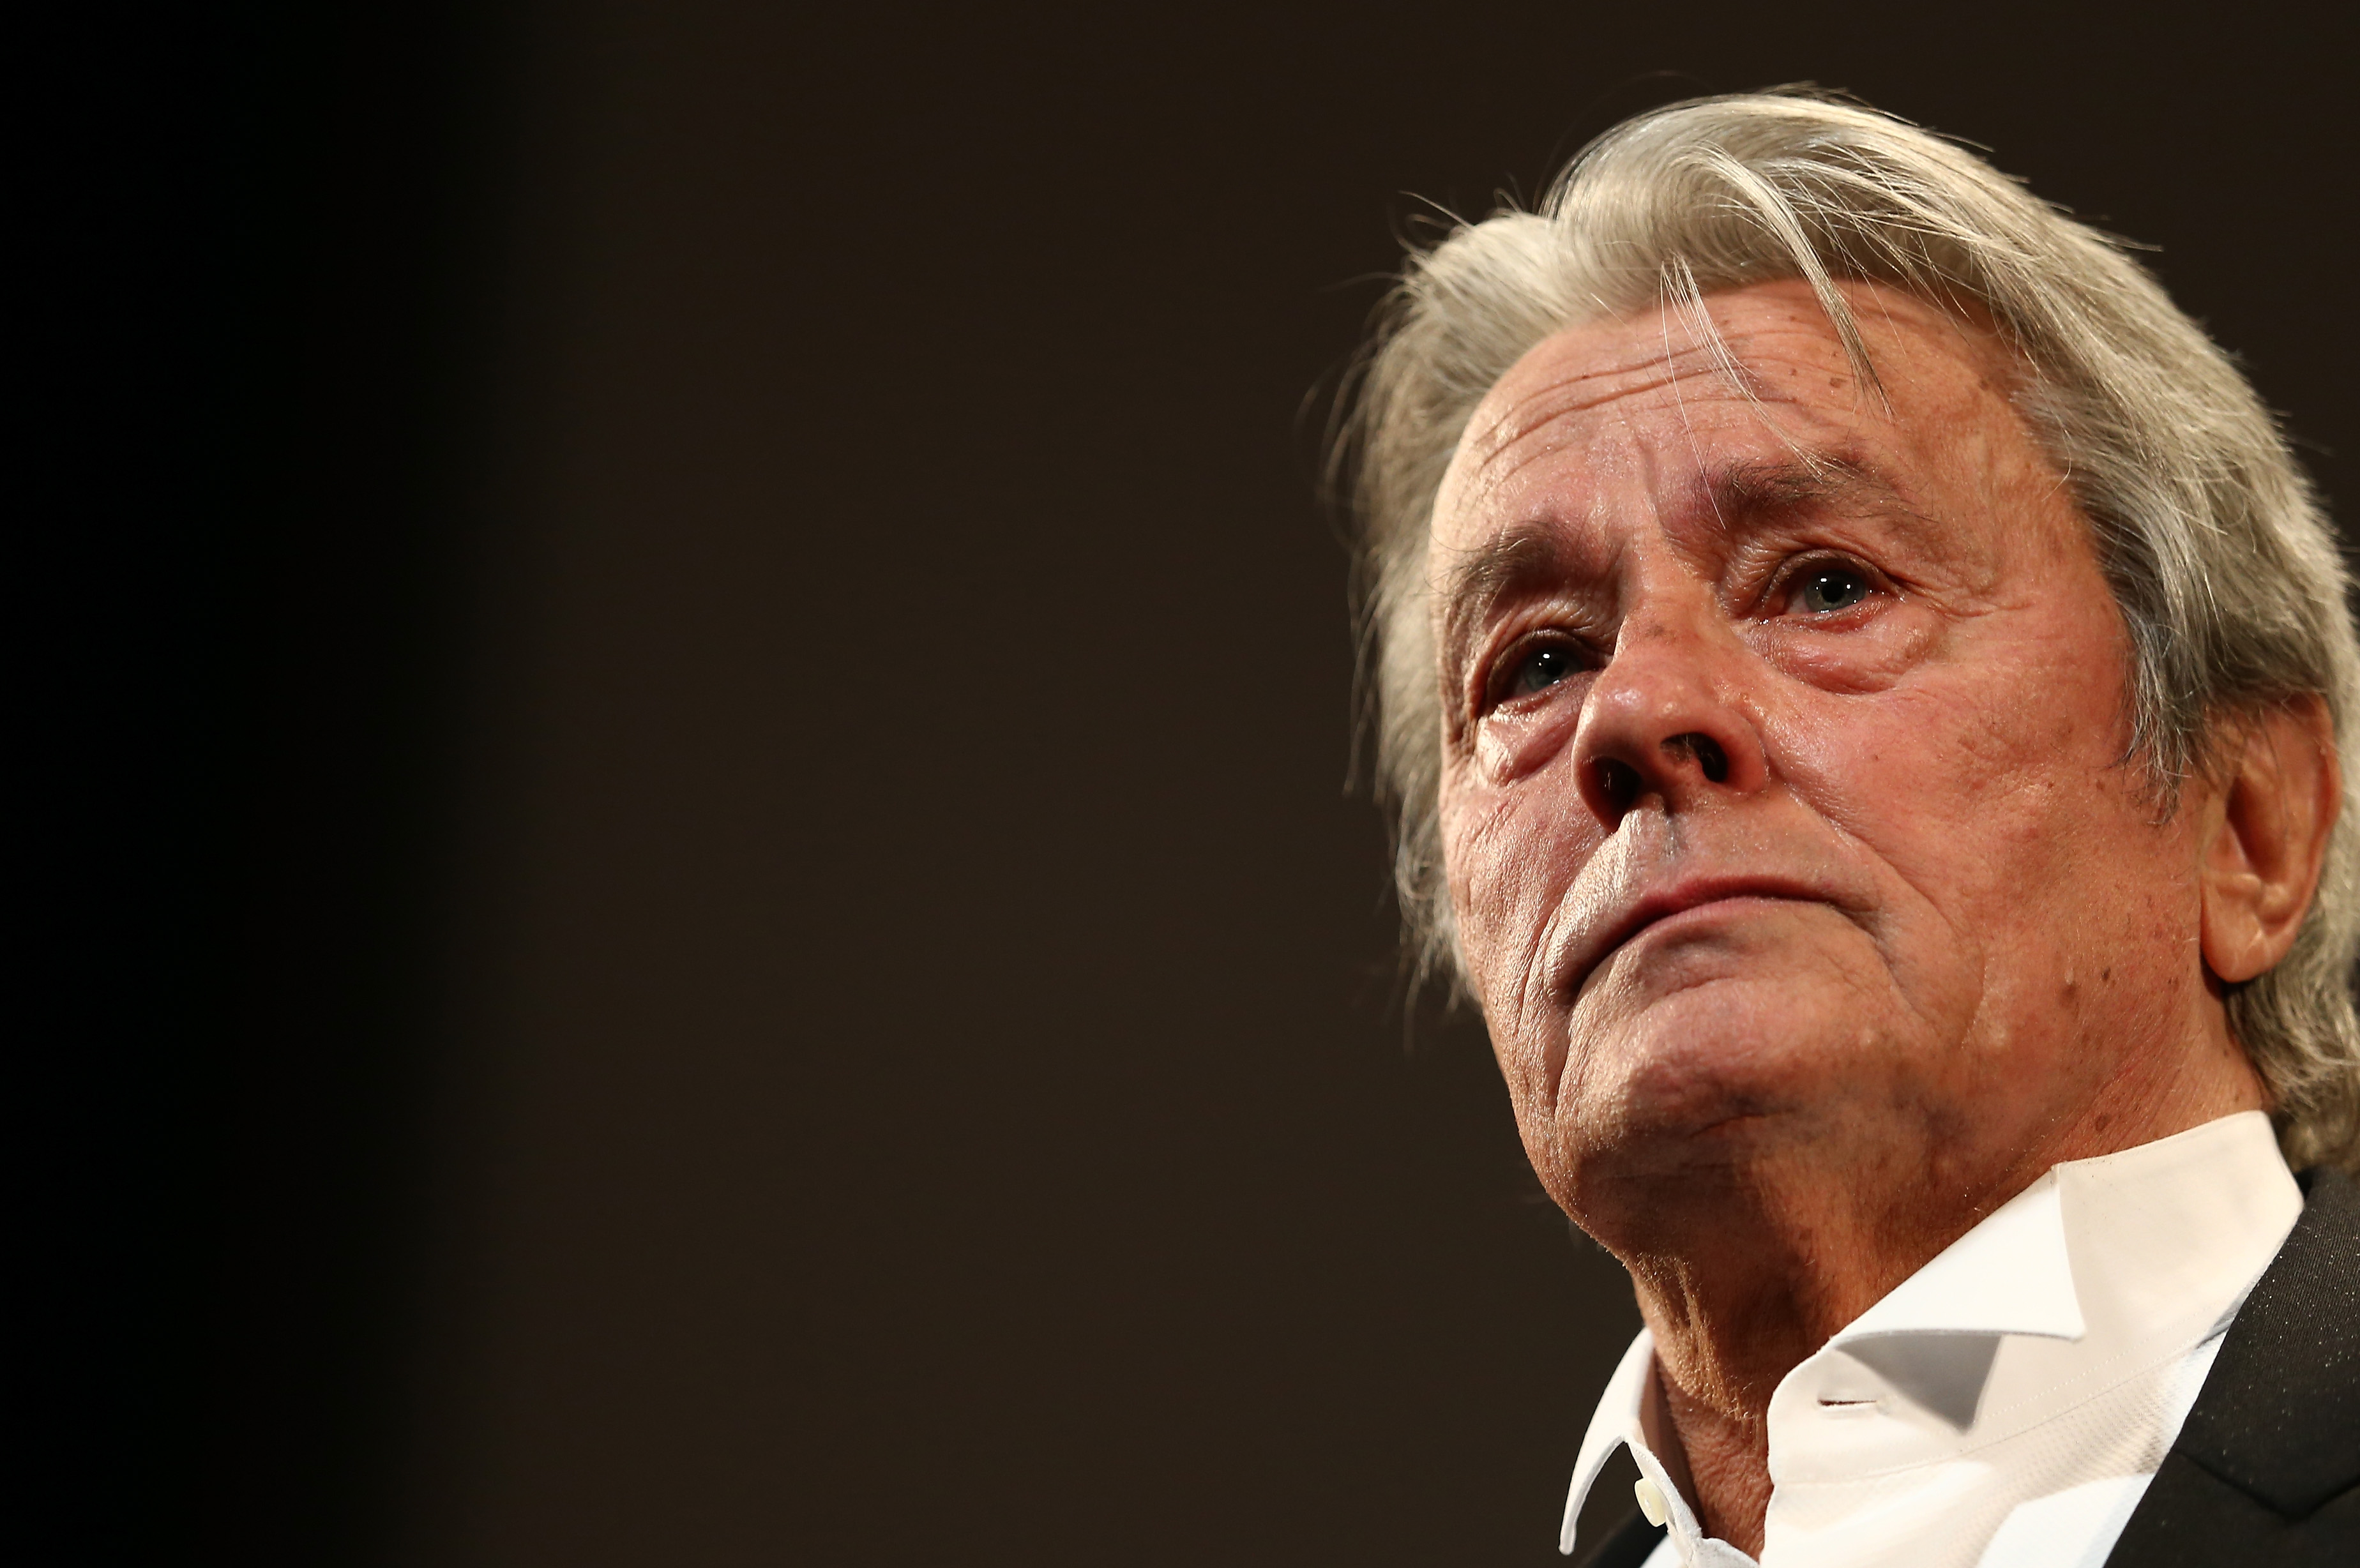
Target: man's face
{"type": "Point", "coordinates": [1784, 795]}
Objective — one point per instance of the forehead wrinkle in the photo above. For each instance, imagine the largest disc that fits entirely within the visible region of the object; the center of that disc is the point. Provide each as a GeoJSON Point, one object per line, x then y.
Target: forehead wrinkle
{"type": "Point", "coordinates": [1509, 434]}
{"type": "Point", "coordinates": [1535, 411]}
{"type": "Point", "coordinates": [1527, 418]}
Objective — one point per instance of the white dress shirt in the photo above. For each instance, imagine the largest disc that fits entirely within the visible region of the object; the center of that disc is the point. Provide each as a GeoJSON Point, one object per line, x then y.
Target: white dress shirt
{"type": "Point", "coordinates": [2005, 1406]}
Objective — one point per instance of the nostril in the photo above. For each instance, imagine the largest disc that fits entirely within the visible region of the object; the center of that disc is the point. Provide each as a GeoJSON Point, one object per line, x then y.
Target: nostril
{"type": "Point", "coordinates": [1712, 761]}
{"type": "Point", "coordinates": [1619, 782]}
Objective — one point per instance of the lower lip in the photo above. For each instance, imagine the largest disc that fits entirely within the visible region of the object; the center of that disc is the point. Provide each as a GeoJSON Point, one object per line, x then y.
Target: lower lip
{"type": "Point", "coordinates": [1713, 910]}
{"type": "Point", "coordinates": [1734, 907]}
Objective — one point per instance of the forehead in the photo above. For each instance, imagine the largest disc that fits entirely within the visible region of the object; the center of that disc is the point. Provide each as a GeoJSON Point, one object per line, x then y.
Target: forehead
{"type": "Point", "coordinates": [1643, 403]}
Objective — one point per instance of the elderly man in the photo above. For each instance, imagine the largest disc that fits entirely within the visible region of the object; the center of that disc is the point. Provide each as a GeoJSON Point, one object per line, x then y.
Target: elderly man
{"type": "Point", "coordinates": [1862, 679]}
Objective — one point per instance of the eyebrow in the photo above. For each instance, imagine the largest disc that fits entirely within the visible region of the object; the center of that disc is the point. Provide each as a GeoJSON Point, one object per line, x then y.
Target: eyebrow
{"type": "Point", "coordinates": [1519, 561]}
{"type": "Point", "coordinates": [1532, 557]}
{"type": "Point", "coordinates": [1749, 490]}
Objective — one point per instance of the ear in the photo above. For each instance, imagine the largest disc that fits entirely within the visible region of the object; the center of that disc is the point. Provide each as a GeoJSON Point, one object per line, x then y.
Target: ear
{"type": "Point", "coordinates": [2265, 835]}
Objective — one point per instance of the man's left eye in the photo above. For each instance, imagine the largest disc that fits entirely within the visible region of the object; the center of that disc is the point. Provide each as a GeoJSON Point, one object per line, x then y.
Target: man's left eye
{"type": "Point", "coordinates": [1830, 588]}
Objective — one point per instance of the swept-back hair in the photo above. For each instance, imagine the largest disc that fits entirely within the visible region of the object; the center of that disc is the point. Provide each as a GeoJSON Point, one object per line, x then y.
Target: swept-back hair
{"type": "Point", "coordinates": [2224, 566]}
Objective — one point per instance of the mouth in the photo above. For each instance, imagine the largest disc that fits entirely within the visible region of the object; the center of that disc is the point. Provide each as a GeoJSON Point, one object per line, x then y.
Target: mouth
{"type": "Point", "coordinates": [1704, 894]}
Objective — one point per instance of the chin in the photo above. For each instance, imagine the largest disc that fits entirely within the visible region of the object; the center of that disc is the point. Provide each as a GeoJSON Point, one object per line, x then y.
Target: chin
{"type": "Point", "coordinates": [1707, 1073]}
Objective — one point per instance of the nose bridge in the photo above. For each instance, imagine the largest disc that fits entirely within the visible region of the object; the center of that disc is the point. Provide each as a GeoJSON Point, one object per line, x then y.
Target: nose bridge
{"type": "Point", "coordinates": [1670, 635]}
{"type": "Point", "coordinates": [1665, 716]}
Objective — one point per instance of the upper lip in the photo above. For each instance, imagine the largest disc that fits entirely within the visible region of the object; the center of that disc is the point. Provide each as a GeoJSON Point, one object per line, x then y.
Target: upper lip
{"type": "Point", "coordinates": [1634, 912]}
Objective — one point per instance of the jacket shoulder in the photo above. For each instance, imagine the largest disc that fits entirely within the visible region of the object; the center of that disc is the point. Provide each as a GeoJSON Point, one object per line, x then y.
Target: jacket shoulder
{"type": "Point", "coordinates": [2266, 1466]}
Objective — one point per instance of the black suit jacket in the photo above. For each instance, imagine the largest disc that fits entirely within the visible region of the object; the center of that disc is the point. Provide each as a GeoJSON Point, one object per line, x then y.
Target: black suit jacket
{"type": "Point", "coordinates": [2267, 1469]}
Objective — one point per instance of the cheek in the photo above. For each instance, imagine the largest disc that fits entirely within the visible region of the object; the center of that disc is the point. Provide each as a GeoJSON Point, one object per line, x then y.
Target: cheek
{"type": "Point", "coordinates": [1516, 833]}
{"type": "Point", "coordinates": [1511, 856]}
{"type": "Point", "coordinates": [1945, 792]}
{"type": "Point", "coordinates": [2012, 815]}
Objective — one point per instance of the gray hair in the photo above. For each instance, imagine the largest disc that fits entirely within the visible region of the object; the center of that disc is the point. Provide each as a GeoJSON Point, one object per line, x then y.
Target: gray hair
{"type": "Point", "coordinates": [2223, 565]}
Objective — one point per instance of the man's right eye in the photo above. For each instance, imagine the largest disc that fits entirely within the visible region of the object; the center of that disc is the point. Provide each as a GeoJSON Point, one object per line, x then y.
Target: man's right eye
{"type": "Point", "coordinates": [1542, 668]}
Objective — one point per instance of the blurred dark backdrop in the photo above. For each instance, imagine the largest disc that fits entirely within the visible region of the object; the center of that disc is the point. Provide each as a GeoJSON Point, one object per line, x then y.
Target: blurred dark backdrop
{"type": "Point", "coordinates": [689, 715]}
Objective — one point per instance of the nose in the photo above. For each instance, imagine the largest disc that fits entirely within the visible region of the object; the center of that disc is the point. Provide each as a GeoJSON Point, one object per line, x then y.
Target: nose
{"type": "Point", "coordinates": [1666, 719]}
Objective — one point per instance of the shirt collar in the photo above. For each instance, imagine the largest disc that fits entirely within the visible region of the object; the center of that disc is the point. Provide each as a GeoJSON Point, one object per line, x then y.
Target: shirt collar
{"type": "Point", "coordinates": [1614, 1424]}
{"type": "Point", "coordinates": [2010, 1274]}
{"type": "Point", "coordinates": [1622, 1421]}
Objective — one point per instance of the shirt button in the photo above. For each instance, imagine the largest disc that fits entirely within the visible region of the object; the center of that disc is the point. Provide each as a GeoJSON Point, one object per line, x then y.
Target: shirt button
{"type": "Point", "coordinates": [1651, 1500]}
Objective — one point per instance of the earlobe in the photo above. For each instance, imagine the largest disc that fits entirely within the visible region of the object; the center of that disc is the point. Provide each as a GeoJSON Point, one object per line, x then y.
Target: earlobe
{"type": "Point", "coordinates": [2265, 834]}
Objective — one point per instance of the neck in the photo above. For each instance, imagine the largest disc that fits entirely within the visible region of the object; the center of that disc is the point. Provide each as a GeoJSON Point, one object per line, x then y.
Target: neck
{"type": "Point", "coordinates": [1749, 1266]}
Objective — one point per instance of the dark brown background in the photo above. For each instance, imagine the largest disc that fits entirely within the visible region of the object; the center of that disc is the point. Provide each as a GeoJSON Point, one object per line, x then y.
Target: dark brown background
{"type": "Point", "coordinates": [723, 926]}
